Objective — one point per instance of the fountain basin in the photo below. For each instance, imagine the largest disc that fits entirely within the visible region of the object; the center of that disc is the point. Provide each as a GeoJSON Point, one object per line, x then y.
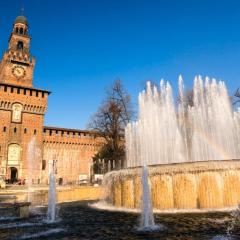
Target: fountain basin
{"type": "Point", "coordinates": [196, 185]}
{"type": "Point", "coordinates": [17, 209]}
{"type": "Point", "coordinates": [39, 195]}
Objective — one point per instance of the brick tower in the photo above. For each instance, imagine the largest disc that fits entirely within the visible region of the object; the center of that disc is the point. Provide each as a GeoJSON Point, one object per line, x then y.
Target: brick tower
{"type": "Point", "coordinates": [22, 108]}
{"type": "Point", "coordinates": [17, 64]}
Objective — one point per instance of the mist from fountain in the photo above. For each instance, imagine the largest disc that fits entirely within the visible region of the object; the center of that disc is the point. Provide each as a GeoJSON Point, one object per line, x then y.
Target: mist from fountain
{"type": "Point", "coordinates": [51, 211]}
{"type": "Point", "coordinates": [202, 127]}
{"type": "Point", "coordinates": [32, 156]}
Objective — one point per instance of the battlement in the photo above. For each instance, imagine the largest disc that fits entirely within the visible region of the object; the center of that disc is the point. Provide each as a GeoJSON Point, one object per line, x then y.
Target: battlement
{"type": "Point", "coordinates": [71, 136]}
{"type": "Point", "coordinates": [33, 100]}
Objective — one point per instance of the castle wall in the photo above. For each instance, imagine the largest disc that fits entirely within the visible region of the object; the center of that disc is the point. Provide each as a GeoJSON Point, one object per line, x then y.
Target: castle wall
{"type": "Point", "coordinates": [71, 151]}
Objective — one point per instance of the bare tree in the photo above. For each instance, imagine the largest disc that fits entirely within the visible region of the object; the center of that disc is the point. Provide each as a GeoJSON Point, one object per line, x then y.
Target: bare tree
{"type": "Point", "coordinates": [109, 121]}
{"type": "Point", "coordinates": [188, 98]}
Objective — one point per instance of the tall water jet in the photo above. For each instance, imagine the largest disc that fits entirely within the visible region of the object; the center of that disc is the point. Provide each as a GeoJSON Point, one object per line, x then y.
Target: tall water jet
{"type": "Point", "coordinates": [51, 211]}
{"type": "Point", "coordinates": [144, 152]}
{"type": "Point", "coordinates": [147, 211]}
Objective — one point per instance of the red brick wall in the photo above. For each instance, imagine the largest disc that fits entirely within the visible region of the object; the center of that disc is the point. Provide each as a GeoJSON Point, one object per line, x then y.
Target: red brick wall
{"type": "Point", "coordinates": [73, 151]}
{"type": "Point", "coordinates": [21, 133]}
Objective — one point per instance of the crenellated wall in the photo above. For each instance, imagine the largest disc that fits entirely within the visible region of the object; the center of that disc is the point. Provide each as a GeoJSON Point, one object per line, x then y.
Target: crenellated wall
{"type": "Point", "coordinates": [72, 151]}
{"type": "Point", "coordinates": [199, 185]}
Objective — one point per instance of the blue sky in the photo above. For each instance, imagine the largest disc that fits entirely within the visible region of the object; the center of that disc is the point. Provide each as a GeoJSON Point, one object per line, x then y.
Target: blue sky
{"type": "Point", "coordinates": [82, 46]}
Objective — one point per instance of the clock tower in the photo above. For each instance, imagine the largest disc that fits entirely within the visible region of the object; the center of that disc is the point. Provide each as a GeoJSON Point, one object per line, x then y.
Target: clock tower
{"type": "Point", "coordinates": [17, 64]}
{"type": "Point", "coordinates": [22, 109]}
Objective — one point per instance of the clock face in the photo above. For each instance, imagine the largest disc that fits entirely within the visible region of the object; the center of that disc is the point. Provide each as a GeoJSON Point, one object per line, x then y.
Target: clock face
{"type": "Point", "coordinates": [18, 71]}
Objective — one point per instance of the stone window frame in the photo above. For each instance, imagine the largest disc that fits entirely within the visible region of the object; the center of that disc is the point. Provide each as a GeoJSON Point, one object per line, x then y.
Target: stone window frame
{"type": "Point", "coordinates": [21, 111]}
{"type": "Point", "coordinates": [14, 144]}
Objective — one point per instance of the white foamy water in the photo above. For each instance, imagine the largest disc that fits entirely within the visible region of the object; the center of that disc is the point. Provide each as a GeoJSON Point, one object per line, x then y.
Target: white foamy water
{"type": "Point", "coordinates": [109, 207]}
{"type": "Point", "coordinates": [42, 234]}
{"type": "Point", "coordinates": [206, 129]}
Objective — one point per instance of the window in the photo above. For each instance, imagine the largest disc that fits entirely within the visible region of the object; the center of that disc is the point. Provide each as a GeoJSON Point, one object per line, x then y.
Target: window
{"type": "Point", "coordinates": [14, 151]}
{"type": "Point", "coordinates": [35, 132]}
{"type": "Point", "coordinates": [15, 130]}
{"type": "Point", "coordinates": [20, 45]}
{"type": "Point", "coordinates": [21, 30]}
{"type": "Point", "coordinates": [25, 130]}
{"type": "Point", "coordinates": [43, 164]}
{"type": "Point", "coordinates": [17, 112]}
{"type": "Point", "coordinates": [4, 129]}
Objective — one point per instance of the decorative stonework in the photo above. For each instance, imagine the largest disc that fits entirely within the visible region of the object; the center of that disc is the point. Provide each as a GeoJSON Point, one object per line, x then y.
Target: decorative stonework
{"type": "Point", "coordinates": [14, 153]}
{"type": "Point", "coordinates": [17, 112]}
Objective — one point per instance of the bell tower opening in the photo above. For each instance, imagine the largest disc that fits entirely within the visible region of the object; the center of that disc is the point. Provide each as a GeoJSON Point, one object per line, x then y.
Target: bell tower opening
{"type": "Point", "coordinates": [20, 45]}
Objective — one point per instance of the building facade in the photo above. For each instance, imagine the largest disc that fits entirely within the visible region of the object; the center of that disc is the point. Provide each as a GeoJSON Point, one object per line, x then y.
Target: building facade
{"type": "Point", "coordinates": [28, 149]}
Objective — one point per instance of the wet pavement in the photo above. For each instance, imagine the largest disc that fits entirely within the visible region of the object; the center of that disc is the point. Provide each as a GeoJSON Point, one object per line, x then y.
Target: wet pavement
{"type": "Point", "coordinates": [79, 221]}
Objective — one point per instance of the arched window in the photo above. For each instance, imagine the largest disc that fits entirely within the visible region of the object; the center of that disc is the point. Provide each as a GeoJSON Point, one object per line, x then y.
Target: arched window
{"type": "Point", "coordinates": [14, 151]}
{"type": "Point", "coordinates": [21, 30]}
{"type": "Point", "coordinates": [20, 45]}
{"type": "Point", "coordinates": [25, 130]}
{"type": "Point", "coordinates": [15, 130]}
{"type": "Point", "coordinates": [16, 112]}
{"type": "Point", "coordinates": [16, 29]}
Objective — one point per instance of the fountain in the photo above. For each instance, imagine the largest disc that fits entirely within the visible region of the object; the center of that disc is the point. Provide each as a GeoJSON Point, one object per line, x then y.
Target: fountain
{"type": "Point", "coordinates": [147, 218]}
{"type": "Point", "coordinates": [51, 211]}
{"type": "Point", "coordinates": [197, 131]}
{"type": "Point", "coordinates": [147, 211]}
{"type": "Point", "coordinates": [191, 150]}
